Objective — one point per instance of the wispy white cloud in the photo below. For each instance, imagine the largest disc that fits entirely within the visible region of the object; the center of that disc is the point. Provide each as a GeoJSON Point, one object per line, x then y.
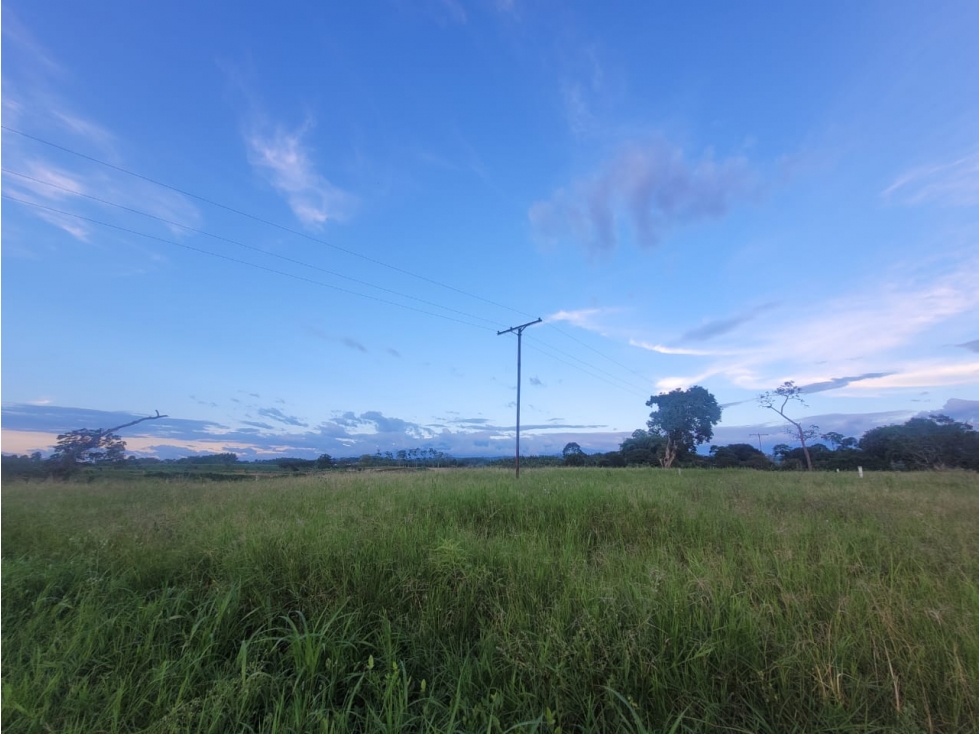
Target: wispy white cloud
{"type": "Point", "coordinates": [16, 33]}
{"type": "Point", "coordinates": [162, 203]}
{"type": "Point", "coordinates": [52, 181]}
{"type": "Point", "coordinates": [925, 375]}
{"type": "Point", "coordinates": [450, 12]}
{"type": "Point", "coordinates": [38, 91]}
{"type": "Point", "coordinates": [646, 188]}
{"type": "Point", "coordinates": [75, 227]}
{"type": "Point", "coordinates": [582, 87]}
{"type": "Point", "coordinates": [881, 318]}
{"type": "Point", "coordinates": [454, 10]}
{"type": "Point", "coordinates": [284, 159]}
{"type": "Point", "coordinates": [950, 184]}
{"type": "Point", "coordinates": [660, 349]}
{"type": "Point", "coordinates": [576, 108]}
{"type": "Point", "coordinates": [85, 129]}
{"type": "Point", "coordinates": [869, 334]}
{"type": "Point", "coordinates": [590, 319]}
{"type": "Point", "coordinates": [665, 384]}
{"type": "Point", "coordinates": [87, 188]}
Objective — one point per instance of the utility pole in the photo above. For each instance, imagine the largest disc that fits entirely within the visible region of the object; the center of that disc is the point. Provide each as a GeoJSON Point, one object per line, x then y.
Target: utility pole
{"type": "Point", "coordinates": [759, 439]}
{"type": "Point", "coordinates": [519, 332]}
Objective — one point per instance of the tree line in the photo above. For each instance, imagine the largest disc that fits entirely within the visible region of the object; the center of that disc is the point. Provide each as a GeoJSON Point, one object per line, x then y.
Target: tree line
{"type": "Point", "coordinates": [64, 465]}
{"type": "Point", "coordinates": [685, 419]}
{"type": "Point", "coordinates": [682, 420]}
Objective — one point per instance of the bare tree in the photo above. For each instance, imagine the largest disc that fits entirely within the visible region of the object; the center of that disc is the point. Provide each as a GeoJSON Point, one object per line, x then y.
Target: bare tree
{"type": "Point", "coordinates": [776, 400]}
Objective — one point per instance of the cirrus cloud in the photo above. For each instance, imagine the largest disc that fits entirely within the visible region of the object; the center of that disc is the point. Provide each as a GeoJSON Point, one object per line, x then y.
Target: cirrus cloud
{"type": "Point", "coordinates": [284, 159]}
{"type": "Point", "coordinates": [950, 184]}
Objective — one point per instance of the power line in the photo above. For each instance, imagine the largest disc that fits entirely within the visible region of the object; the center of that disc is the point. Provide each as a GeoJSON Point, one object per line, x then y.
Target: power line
{"type": "Point", "coordinates": [242, 262]}
{"type": "Point", "coordinates": [309, 237]}
{"type": "Point", "coordinates": [256, 218]}
{"type": "Point", "coordinates": [312, 282]}
{"type": "Point", "coordinates": [246, 246]}
{"type": "Point", "coordinates": [320, 269]}
{"type": "Point", "coordinates": [598, 352]}
{"type": "Point", "coordinates": [588, 364]}
{"type": "Point", "coordinates": [584, 371]}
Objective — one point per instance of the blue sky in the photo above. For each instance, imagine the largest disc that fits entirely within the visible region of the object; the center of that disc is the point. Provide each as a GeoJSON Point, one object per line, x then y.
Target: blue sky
{"type": "Point", "coordinates": [358, 196]}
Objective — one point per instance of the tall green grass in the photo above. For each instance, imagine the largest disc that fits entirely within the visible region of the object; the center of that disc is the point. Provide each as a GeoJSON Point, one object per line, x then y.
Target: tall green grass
{"type": "Point", "coordinates": [574, 600]}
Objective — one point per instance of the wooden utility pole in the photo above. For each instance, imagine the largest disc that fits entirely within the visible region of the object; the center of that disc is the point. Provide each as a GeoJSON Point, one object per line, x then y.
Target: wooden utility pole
{"type": "Point", "coordinates": [519, 332]}
{"type": "Point", "coordinates": [759, 439]}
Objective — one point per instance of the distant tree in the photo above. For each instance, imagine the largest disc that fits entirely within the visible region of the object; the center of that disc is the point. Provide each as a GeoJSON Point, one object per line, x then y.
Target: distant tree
{"type": "Point", "coordinates": [776, 400]}
{"type": "Point", "coordinates": [642, 448]}
{"type": "Point", "coordinates": [833, 437]}
{"type": "Point", "coordinates": [529, 462]}
{"type": "Point", "coordinates": [13, 466]}
{"type": "Point", "coordinates": [213, 459]}
{"type": "Point", "coordinates": [573, 455]}
{"type": "Point", "coordinates": [366, 460]}
{"type": "Point", "coordinates": [295, 464]}
{"type": "Point", "coordinates": [685, 418]}
{"type": "Point", "coordinates": [91, 446]}
{"type": "Point", "coordinates": [838, 441]}
{"type": "Point", "coordinates": [931, 442]}
{"type": "Point", "coordinates": [742, 455]}
{"type": "Point", "coordinates": [608, 459]}
{"type": "Point", "coordinates": [325, 461]}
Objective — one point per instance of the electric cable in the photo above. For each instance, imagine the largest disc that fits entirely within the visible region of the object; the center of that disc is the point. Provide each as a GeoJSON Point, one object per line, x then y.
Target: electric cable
{"type": "Point", "coordinates": [307, 236]}
{"type": "Point", "coordinates": [246, 246]}
{"type": "Point", "coordinates": [240, 262]}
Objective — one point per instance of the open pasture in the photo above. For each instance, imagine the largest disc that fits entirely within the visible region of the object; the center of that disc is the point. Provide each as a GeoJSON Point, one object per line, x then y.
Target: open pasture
{"type": "Point", "coordinates": [572, 600]}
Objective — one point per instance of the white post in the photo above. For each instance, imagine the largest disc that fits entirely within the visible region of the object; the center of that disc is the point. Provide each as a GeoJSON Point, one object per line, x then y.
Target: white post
{"type": "Point", "coordinates": [860, 471]}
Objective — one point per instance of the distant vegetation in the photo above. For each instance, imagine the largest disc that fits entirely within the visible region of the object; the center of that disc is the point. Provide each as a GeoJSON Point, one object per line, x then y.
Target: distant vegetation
{"type": "Point", "coordinates": [225, 466]}
{"type": "Point", "coordinates": [933, 442]}
{"type": "Point", "coordinates": [583, 600]}
{"type": "Point", "coordinates": [682, 421]}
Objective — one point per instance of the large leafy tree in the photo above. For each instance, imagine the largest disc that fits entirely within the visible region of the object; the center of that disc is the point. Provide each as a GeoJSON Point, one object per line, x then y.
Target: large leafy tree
{"type": "Point", "coordinates": [685, 418]}
{"type": "Point", "coordinates": [776, 400]}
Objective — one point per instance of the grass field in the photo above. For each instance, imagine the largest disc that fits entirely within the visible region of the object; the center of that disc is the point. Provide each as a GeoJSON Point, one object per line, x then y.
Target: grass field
{"type": "Point", "coordinates": [574, 600]}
